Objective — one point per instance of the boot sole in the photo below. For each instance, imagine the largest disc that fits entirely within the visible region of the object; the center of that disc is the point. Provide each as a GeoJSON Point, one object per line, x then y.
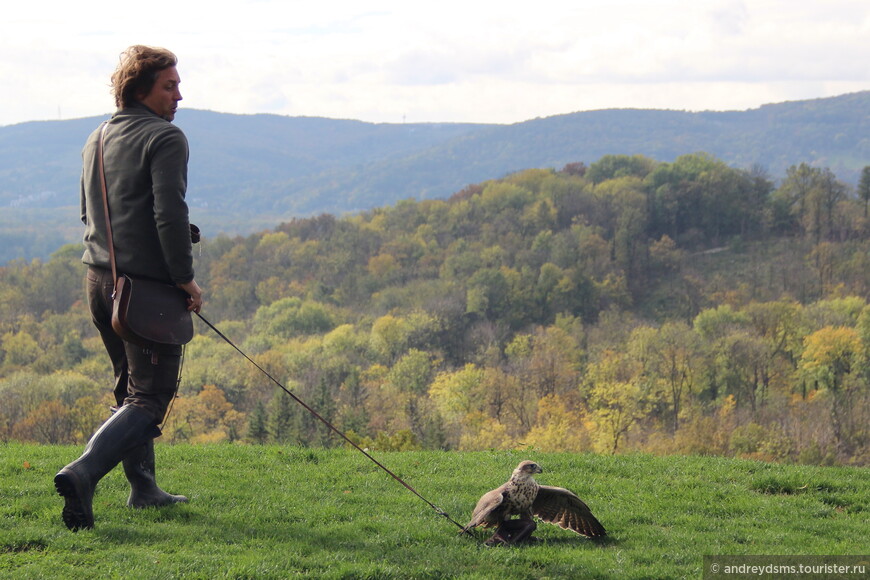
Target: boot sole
{"type": "Point", "coordinates": [75, 514]}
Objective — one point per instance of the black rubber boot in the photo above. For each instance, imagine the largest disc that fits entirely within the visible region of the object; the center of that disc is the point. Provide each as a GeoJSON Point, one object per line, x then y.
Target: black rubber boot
{"type": "Point", "coordinates": [140, 471]}
{"type": "Point", "coordinates": [76, 482]}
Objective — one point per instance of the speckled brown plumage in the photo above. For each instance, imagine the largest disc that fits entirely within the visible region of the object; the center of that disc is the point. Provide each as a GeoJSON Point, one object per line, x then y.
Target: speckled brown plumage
{"type": "Point", "coordinates": [562, 507]}
{"type": "Point", "coordinates": [522, 496]}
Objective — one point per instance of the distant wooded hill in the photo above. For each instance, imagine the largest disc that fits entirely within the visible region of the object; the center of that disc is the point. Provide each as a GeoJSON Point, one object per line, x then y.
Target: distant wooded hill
{"type": "Point", "coordinates": [250, 172]}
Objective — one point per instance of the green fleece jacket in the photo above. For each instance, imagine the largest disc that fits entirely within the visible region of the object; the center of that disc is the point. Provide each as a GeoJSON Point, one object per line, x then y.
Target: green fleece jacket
{"type": "Point", "coordinates": [146, 176]}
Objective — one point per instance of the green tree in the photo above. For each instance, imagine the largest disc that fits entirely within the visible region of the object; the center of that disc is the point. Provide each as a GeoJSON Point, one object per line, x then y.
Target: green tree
{"type": "Point", "coordinates": [19, 349]}
{"type": "Point", "coordinates": [616, 166]}
{"type": "Point", "coordinates": [58, 284]}
{"type": "Point", "coordinates": [864, 188]}
{"type": "Point", "coordinates": [740, 365]}
{"type": "Point", "coordinates": [813, 194]}
{"type": "Point", "coordinates": [716, 323]}
{"type": "Point", "coordinates": [488, 293]}
{"type": "Point", "coordinates": [862, 327]}
{"type": "Point", "coordinates": [281, 422]}
{"type": "Point", "coordinates": [412, 372]}
{"type": "Point", "coordinates": [673, 357]}
{"type": "Point", "coordinates": [288, 317]}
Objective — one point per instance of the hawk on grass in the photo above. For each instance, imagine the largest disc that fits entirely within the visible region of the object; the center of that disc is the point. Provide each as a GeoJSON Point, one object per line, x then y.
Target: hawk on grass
{"type": "Point", "coordinates": [522, 496]}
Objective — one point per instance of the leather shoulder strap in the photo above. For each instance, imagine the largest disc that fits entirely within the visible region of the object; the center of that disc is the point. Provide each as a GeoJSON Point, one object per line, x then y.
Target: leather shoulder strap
{"type": "Point", "coordinates": [106, 203]}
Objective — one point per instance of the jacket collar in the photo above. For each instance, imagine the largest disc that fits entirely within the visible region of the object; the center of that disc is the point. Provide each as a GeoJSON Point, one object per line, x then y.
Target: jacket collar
{"type": "Point", "coordinates": [136, 108]}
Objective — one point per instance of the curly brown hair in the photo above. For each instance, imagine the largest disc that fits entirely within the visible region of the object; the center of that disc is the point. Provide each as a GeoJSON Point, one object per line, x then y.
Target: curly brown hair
{"type": "Point", "coordinates": [137, 72]}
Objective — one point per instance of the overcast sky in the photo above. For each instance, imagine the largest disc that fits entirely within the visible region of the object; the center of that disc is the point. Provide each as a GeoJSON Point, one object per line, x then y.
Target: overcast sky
{"type": "Point", "coordinates": [445, 61]}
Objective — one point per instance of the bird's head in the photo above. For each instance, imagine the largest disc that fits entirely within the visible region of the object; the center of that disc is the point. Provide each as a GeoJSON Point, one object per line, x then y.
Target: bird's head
{"type": "Point", "coordinates": [526, 470]}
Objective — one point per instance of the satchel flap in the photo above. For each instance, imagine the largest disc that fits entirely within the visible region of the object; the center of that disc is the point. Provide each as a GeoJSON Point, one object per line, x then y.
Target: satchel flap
{"type": "Point", "coordinates": [155, 311]}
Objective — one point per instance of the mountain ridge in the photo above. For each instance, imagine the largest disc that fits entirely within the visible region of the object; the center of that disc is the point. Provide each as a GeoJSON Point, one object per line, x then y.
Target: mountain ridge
{"type": "Point", "coordinates": [253, 171]}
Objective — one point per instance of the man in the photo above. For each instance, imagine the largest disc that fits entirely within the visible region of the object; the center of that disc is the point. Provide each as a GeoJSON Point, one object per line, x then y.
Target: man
{"type": "Point", "coordinates": [145, 160]}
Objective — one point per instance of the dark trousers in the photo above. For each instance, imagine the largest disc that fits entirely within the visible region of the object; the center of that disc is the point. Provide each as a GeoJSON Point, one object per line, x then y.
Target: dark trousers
{"type": "Point", "coordinates": [146, 378]}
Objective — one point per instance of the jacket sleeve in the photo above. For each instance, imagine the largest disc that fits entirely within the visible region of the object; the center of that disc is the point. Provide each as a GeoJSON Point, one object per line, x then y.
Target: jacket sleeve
{"type": "Point", "coordinates": [168, 160]}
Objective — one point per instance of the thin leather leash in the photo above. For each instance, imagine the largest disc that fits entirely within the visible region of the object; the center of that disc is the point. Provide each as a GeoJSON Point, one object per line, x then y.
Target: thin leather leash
{"type": "Point", "coordinates": [317, 415]}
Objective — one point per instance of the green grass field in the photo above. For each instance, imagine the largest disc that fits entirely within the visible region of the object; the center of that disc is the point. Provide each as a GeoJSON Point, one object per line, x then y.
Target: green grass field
{"type": "Point", "coordinates": [286, 512]}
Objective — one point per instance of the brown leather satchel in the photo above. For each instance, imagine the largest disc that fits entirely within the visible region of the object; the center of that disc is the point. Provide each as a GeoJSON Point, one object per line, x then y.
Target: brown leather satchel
{"type": "Point", "coordinates": [144, 312]}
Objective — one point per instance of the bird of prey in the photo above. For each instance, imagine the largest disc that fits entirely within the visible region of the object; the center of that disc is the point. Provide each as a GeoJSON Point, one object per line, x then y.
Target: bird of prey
{"type": "Point", "coordinates": [522, 496]}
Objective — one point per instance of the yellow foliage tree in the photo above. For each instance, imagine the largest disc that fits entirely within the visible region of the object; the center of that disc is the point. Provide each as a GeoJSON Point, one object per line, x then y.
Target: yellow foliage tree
{"type": "Point", "coordinates": [389, 336]}
{"type": "Point", "coordinates": [50, 423]}
{"type": "Point", "coordinates": [616, 397]}
{"type": "Point", "coordinates": [558, 427]}
{"type": "Point", "coordinates": [829, 354]}
{"type": "Point", "coordinates": [87, 414]}
{"type": "Point", "coordinates": [457, 393]}
{"type": "Point", "coordinates": [485, 433]}
{"type": "Point", "coordinates": [206, 418]}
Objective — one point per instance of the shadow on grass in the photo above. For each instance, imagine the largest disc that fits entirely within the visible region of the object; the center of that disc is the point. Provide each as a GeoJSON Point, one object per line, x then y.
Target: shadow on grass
{"type": "Point", "coordinates": [605, 542]}
{"type": "Point", "coordinates": [576, 541]}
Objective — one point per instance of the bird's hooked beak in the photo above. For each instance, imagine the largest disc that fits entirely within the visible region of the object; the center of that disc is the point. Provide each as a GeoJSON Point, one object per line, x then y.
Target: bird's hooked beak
{"type": "Point", "coordinates": [539, 469]}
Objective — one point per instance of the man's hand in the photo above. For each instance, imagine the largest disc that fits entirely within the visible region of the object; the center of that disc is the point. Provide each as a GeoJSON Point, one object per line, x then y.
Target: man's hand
{"type": "Point", "coordinates": [194, 301]}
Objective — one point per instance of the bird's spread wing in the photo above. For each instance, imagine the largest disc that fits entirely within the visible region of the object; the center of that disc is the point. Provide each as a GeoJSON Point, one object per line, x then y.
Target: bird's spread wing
{"type": "Point", "coordinates": [486, 506]}
{"type": "Point", "coordinates": [562, 507]}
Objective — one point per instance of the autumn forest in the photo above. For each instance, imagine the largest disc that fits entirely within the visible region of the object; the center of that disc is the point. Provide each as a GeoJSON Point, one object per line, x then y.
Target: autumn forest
{"type": "Point", "coordinates": [628, 305]}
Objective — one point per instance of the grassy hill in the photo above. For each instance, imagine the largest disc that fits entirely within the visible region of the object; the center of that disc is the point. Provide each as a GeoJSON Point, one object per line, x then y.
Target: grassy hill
{"type": "Point", "coordinates": [281, 512]}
